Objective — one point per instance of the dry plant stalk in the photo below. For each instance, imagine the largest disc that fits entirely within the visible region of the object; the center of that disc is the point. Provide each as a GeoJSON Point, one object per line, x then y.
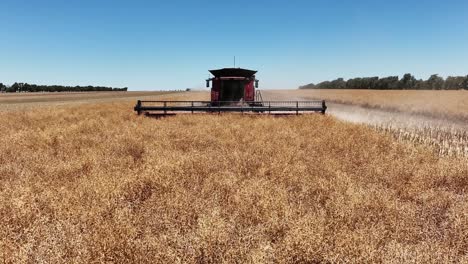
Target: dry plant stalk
{"type": "Point", "coordinates": [96, 183]}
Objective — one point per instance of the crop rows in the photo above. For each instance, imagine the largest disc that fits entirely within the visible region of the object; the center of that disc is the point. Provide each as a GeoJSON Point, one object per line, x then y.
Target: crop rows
{"type": "Point", "coordinates": [444, 142]}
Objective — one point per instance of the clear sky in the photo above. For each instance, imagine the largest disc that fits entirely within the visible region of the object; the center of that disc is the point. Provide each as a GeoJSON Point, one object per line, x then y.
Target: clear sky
{"type": "Point", "coordinates": [152, 45]}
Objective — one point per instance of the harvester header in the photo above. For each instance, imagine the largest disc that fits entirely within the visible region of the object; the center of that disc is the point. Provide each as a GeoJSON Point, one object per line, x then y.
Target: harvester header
{"type": "Point", "coordinates": [232, 90]}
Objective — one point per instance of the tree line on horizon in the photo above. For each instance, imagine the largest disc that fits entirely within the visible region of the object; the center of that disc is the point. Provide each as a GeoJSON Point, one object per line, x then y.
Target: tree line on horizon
{"type": "Point", "coordinates": [408, 82]}
{"type": "Point", "coordinates": [26, 87]}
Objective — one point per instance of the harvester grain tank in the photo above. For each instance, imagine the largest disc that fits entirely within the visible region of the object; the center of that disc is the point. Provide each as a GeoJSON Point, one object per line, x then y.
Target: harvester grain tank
{"type": "Point", "coordinates": [232, 90]}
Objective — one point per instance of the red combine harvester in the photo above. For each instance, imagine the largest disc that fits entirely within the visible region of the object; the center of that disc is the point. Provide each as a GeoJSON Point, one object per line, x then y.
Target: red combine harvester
{"type": "Point", "coordinates": [232, 90]}
{"type": "Point", "coordinates": [233, 85]}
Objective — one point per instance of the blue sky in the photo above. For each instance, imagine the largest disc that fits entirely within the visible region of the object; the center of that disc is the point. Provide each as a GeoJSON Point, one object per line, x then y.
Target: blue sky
{"type": "Point", "coordinates": [153, 45]}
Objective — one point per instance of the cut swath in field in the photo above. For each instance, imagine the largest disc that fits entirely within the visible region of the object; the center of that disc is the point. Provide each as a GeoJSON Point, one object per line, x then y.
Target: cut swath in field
{"type": "Point", "coordinates": [445, 104]}
{"type": "Point", "coordinates": [435, 119]}
{"type": "Point", "coordinates": [452, 142]}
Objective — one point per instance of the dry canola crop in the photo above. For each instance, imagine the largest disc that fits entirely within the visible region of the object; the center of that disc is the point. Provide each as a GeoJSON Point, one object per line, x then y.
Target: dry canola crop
{"type": "Point", "coordinates": [97, 183]}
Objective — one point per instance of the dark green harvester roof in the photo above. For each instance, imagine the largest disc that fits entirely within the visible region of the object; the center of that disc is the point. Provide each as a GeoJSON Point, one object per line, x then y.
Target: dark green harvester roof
{"type": "Point", "coordinates": [233, 72]}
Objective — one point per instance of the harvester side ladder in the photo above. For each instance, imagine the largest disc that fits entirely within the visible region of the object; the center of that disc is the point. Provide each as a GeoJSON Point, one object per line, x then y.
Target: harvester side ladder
{"type": "Point", "coordinates": [258, 96]}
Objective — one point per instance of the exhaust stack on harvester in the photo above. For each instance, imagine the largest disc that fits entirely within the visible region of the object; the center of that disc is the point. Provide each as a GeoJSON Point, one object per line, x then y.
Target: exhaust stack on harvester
{"type": "Point", "coordinates": [232, 90]}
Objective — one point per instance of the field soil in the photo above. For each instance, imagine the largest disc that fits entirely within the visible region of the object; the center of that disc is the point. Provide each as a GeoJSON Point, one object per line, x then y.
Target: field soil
{"type": "Point", "coordinates": [97, 183]}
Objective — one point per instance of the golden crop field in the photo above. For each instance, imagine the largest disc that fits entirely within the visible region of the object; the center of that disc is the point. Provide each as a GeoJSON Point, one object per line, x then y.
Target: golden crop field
{"type": "Point", "coordinates": [48, 97]}
{"type": "Point", "coordinates": [97, 183]}
{"type": "Point", "coordinates": [451, 104]}
{"type": "Point", "coordinates": [436, 119]}
{"type": "Point", "coordinates": [23, 101]}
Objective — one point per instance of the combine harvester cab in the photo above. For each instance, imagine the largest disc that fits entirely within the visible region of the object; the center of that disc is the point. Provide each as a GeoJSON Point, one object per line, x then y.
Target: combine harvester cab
{"type": "Point", "coordinates": [232, 90]}
{"type": "Point", "coordinates": [232, 85]}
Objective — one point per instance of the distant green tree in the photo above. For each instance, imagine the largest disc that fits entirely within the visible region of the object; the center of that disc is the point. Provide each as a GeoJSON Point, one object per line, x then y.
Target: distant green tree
{"type": "Point", "coordinates": [388, 83]}
{"type": "Point", "coordinates": [369, 82]}
{"type": "Point", "coordinates": [435, 82]}
{"type": "Point", "coordinates": [338, 84]}
{"type": "Point", "coordinates": [355, 83]}
{"type": "Point", "coordinates": [16, 87]}
{"type": "Point", "coordinates": [454, 83]}
{"type": "Point", "coordinates": [465, 83]}
{"type": "Point", "coordinates": [26, 87]}
{"type": "Point", "coordinates": [308, 86]}
{"type": "Point", "coordinates": [10, 89]}
{"type": "Point", "coordinates": [408, 82]}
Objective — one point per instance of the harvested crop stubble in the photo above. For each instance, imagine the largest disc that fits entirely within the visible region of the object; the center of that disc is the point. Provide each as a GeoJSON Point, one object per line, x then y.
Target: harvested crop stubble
{"type": "Point", "coordinates": [89, 184]}
{"type": "Point", "coordinates": [449, 104]}
{"type": "Point", "coordinates": [445, 142]}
